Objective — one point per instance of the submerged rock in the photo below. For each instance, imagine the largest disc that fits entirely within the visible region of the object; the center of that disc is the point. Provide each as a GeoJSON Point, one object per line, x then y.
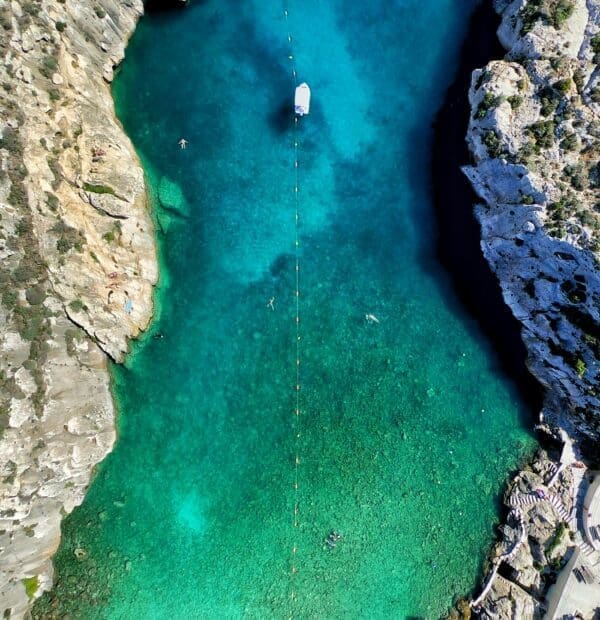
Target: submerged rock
{"type": "Point", "coordinates": [171, 196]}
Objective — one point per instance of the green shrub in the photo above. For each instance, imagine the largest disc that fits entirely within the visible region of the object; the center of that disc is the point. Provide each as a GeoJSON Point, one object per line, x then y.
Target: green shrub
{"type": "Point", "coordinates": [31, 585]}
{"type": "Point", "coordinates": [69, 237]}
{"type": "Point", "coordinates": [527, 199]}
{"type": "Point", "coordinates": [587, 218]}
{"type": "Point", "coordinates": [543, 133]}
{"type": "Point", "coordinates": [559, 64]}
{"type": "Point", "coordinates": [31, 8]}
{"type": "Point", "coordinates": [557, 232]}
{"type": "Point", "coordinates": [17, 197]}
{"type": "Point", "coordinates": [11, 141]}
{"type": "Point", "coordinates": [569, 142]}
{"type": "Point", "coordinates": [54, 94]}
{"type": "Point", "coordinates": [24, 272]}
{"type": "Point", "coordinates": [52, 201]}
{"type": "Point", "coordinates": [593, 343]}
{"type": "Point", "coordinates": [5, 19]}
{"type": "Point", "coordinates": [63, 245]}
{"type": "Point", "coordinates": [493, 144]}
{"type": "Point", "coordinates": [113, 234]}
{"type": "Point", "coordinates": [559, 211]}
{"type": "Point", "coordinates": [100, 12]}
{"type": "Point", "coordinates": [527, 150]}
{"type": "Point", "coordinates": [549, 100]}
{"type": "Point", "coordinates": [98, 189]}
{"type": "Point", "coordinates": [38, 351]}
{"type": "Point", "coordinates": [30, 365]}
{"type": "Point", "coordinates": [10, 299]}
{"type": "Point", "coordinates": [574, 174]}
{"type": "Point", "coordinates": [77, 305]}
{"type": "Point", "coordinates": [530, 14]}
{"type": "Point", "coordinates": [489, 102]}
{"type": "Point", "coordinates": [561, 11]}
{"type": "Point", "coordinates": [70, 242]}
{"type": "Point", "coordinates": [580, 367]}
{"type": "Point", "coordinates": [56, 171]}
{"type": "Point", "coordinates": [515, 101]}
{"type": "Point", "coordinates": [31, 323]}
{"type": "Point", "coordinates": [579, 79]}
{"type": "Point", "coordinates": [49, 66]}
{"type": "Point", "coordinates": [23, 227]}
{"type": "Point", "coordinates": [562, 86]}
{"type": "Point", "coordinates": [60, 26]}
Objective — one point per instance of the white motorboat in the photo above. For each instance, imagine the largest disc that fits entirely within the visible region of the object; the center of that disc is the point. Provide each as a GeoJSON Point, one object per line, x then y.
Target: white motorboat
{"type": "Point", "coordinates": [302, 99]}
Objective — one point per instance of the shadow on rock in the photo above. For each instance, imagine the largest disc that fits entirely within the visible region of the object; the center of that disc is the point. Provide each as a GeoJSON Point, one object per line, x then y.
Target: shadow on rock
{"type": "Point", "coordinates": [158, 6]}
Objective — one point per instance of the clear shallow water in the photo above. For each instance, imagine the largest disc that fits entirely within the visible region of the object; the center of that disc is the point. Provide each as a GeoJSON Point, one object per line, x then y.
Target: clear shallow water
{"type": "Point", "coordinates": [408, 428]}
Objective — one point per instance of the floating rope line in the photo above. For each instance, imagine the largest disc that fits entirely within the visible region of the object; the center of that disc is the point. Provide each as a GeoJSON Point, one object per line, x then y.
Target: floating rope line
{"type": "Point", "coordinates": [296, 420]}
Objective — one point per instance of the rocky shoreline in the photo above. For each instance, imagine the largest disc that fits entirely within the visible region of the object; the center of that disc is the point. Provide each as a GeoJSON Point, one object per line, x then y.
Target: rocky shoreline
{"type": "Point", "coordinates": [78, 264]}
{"type": "Point", "coordinates": [534, 137]}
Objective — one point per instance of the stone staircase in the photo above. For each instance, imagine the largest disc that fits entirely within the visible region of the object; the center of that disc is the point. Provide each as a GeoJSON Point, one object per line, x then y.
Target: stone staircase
{"type": "Point", "coordinates": [528, 499]}
{"type": "Point", "coordinates": [518, 501]}
{"type": "Point", "coordinates": [518, 516]}
{"type": "Point", "coordinates": [587, 549]}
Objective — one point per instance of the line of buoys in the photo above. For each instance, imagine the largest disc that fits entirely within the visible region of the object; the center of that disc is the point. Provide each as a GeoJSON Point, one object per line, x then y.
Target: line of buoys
{"type": "Point", "coordinates": [297, 410]}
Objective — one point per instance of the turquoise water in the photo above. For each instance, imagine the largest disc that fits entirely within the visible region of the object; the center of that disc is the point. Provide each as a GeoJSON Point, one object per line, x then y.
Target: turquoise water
{"type": "Point", "coordinates": [407, 428]}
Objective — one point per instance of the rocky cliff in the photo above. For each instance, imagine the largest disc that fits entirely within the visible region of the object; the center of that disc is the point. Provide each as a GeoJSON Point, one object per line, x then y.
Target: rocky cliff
{"type": "Point", "coordinates": [76, 273]}
{"type": "Point", "coordinates": [534, 135]}
{"type": "Point", "coordinates": [535, 138]}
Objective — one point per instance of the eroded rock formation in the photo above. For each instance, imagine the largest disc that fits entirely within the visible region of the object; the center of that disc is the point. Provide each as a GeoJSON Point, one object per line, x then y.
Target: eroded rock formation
{"type": "Point", "coordinates": [535, 138]}
{"type": "Point", "coordinates": [77, 268]}
{"type": "Point", "coordinates": [534, 135]}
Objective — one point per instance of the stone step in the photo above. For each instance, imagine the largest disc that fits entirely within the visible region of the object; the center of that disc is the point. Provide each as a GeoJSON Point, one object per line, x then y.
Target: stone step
{"type": "Point", "coordinates": [587, 549]}
{"type": "Point", "coordinates": [530, 498]}
{"type": "Point", "coordinates": [562, 512]}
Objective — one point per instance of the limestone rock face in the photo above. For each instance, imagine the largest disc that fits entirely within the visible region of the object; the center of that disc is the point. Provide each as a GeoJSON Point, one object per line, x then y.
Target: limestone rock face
{"type": "Point", "coordinates": [534, 136]}
{"type": "Point", "coordinates": [77, 267]}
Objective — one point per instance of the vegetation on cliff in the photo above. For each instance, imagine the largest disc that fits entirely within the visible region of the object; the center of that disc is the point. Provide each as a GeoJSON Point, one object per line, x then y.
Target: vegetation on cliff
{"type": "Point", "coordinates": [67, 172]}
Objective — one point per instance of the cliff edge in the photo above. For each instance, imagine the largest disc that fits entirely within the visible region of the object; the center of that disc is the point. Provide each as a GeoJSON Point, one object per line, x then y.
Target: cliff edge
{"type": "Point", "coordinates": [77, 267]}
{"type": "Point", "coordinates": [534, 136]}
